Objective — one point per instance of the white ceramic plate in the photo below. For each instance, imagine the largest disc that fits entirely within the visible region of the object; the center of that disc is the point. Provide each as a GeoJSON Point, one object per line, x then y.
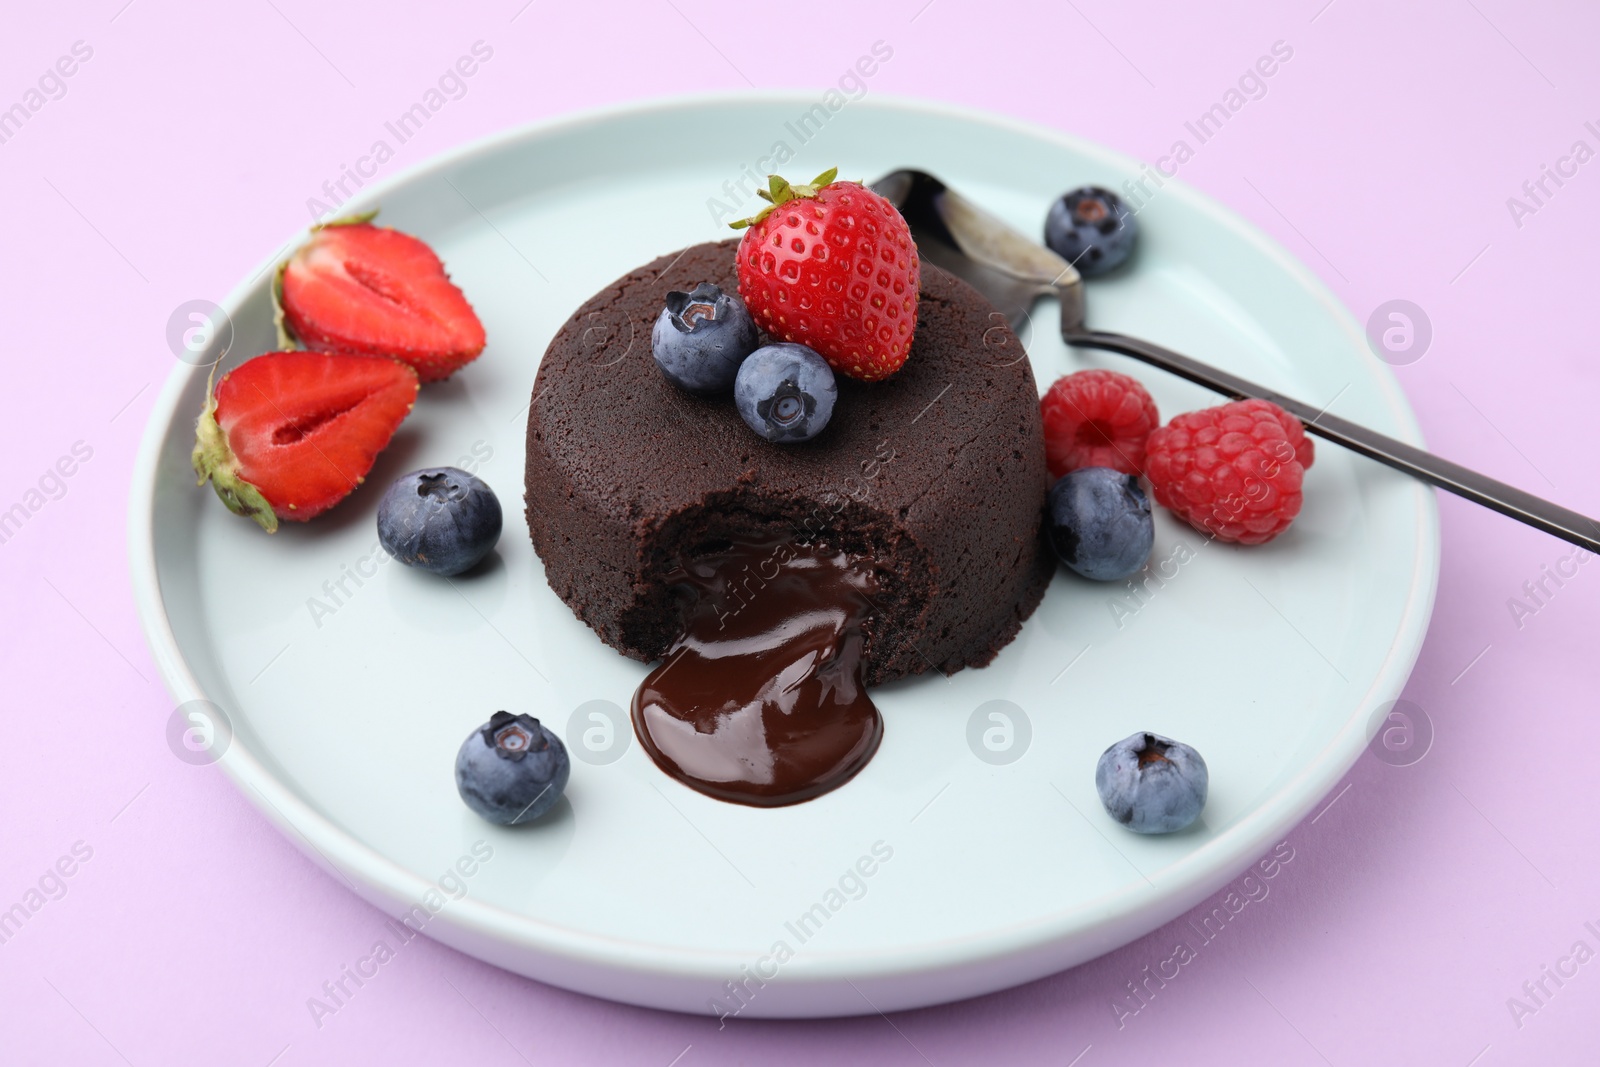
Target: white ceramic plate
{"type": "Point", "coordinates": [349, 681]}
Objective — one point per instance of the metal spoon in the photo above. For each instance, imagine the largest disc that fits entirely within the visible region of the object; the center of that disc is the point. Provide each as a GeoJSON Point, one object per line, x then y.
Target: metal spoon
{"type": "Point", "coordinates": [1013, 271]}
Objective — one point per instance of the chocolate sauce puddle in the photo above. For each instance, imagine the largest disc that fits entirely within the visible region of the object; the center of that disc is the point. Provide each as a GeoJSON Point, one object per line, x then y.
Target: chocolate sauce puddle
{"type": "Point", "coordinates": [760, 700]}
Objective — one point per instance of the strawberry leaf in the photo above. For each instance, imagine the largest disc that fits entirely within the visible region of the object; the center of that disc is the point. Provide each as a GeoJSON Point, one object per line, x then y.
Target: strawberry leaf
{"type": "Point", "coordinates": [286, 337]}
{"type": "Point", "coordinates": [213, 460]}
{"type": "Point", "coordinates": [779, 191]}
{"type": "Point", "coordinates": [358, 218]}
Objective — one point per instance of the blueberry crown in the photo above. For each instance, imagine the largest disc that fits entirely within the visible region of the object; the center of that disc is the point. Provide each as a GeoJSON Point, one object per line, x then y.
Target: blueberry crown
{"type": "Point", "coordinates": [441, 485]}
{"type": "Point", "coordinates": [1153, 750]}
{"type": "Point", "coordinates": [788, 404]}
{"type": "Point", "coordinates": [688, 310]}
{"type": "Point", "coordinates": [514, 736]}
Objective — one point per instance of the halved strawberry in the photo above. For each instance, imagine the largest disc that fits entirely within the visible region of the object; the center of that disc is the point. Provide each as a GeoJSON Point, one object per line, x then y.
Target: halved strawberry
{"type": "Point", "coordinates": [370, 291]}
{"type": "Point", "coordinates": [288, 435]}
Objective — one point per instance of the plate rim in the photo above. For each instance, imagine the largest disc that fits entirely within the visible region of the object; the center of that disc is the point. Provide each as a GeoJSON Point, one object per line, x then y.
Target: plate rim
{"type": "Point", "coordinates": [385, 884]}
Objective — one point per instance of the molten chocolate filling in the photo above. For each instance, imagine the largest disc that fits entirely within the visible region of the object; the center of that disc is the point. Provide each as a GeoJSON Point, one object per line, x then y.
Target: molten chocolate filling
{"type": "Point", "coordinates": [760, 700]}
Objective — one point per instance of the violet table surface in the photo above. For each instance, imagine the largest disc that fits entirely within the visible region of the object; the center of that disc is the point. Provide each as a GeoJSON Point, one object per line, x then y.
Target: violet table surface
{"type": "Point", "coordinates": [1383, 153]}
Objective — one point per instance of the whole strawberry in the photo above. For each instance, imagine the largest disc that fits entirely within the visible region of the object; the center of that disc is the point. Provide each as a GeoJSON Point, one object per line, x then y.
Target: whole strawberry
{"type": "Point", "coordinates": [371, 291]}
{"type": "Point", "coordinates": [288, 435]}
{"type": "Point", "coordinates": [831, 265]}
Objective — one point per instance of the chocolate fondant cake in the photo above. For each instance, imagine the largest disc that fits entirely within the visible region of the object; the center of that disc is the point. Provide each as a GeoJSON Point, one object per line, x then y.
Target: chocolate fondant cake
{"type": "Point", "coordinates": [935, 475]}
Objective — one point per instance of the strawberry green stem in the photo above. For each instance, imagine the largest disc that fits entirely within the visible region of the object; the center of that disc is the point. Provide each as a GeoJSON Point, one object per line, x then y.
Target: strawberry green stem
{"type": "Point", "coordinates": [357, 218]}
{"type": "Point", "coordinates": [779, 191]}
{"type": "Point", "coordinates": [214, 461]}
{"type": "Point", "coordinates": [287, 341]}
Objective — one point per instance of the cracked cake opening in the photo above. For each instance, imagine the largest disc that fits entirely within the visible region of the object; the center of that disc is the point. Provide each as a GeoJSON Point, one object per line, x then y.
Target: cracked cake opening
{"type": "Point", "coordinates": [760, 700]}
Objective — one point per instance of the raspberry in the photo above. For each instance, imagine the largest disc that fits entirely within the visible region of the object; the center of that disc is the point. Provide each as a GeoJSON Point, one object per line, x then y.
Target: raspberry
{"type": "Point", "coordinates": [1232, 471]}
{"type": "Point", "coordinates": [1096, 418]}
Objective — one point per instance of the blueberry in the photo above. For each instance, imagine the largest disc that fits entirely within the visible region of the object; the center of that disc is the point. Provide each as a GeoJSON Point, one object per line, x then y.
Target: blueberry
{"type": "Point", "coordinates": [700, 338]}
{"type": "Point", "coordinates": [512, 770]}
{"type": "Point", "coordinates": [1152, 784]}
{"type": "Point", "coordinates": [785, 393]}
{"type": "Point", "coordinates": [1100, 523]}
{"type": "Point", "coordinates": [1092, 229]}
{"type": "Point", "coordinates": [440, 519]}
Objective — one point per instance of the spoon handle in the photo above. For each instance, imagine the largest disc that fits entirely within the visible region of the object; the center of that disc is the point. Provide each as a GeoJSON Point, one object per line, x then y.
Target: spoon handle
{"type": "Point", "coordinates": [1506, 499]}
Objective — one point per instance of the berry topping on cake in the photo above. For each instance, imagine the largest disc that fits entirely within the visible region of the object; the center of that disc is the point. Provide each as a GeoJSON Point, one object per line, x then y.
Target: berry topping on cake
{"type": "Point", "coordinates": [1232, 471]}
{"type": "Point", "coordinates": [1152, 784]}
{"type": "Point", "coordinates": [785, 393]}
{"type": "Point", "coordinates": [1100, 523]}
{"type": "Point", "coordinates": [512, 769]}
{"type": "Point", "coordinates": [439, 519]}
{"type": "Point", "coordinates": [1092, 229]}
{"type": "Point", "coordinates": [370, 291]}
{"type": "Point", "coordinates": [701, 337]}
{"type": "Point", "coordinates": [1096, 418]}
{"type": "Point", "coordinates": [288, 435]}
{"type": "Point", "coordinates": [831, 265]}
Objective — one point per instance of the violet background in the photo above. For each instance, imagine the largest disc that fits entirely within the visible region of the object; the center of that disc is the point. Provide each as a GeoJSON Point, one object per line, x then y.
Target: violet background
{"type": "Point", "coordinates": [1415, 905]}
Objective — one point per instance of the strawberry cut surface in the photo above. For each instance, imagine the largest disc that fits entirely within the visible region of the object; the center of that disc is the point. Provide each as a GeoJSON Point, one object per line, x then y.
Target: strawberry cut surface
{"type": "Point", "coordinates": [288, 435]}
{"type": "Point", "coordinates": [366, 290]}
